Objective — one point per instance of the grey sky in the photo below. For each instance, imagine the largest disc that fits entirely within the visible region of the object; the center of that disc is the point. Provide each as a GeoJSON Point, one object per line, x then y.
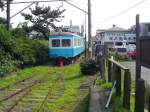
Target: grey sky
{"type": "Point", "coordinates": [101, 10]}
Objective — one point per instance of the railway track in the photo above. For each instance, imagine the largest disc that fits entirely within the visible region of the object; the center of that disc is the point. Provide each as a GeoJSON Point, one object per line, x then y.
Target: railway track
{"type": "Point", "coordinates": [22, 99]}
{"type": "Point", "coordinates": [17, 82]}
{"type": "Point", "coordinates": [11, 99]}
{"type": "Point", "coordinates": [48, 94]}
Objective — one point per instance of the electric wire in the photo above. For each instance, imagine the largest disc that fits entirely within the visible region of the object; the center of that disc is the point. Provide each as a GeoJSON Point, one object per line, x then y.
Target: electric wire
{"type": "Point", "coordinates": [22, 10]}
{"type": "Point", "coordinates": [122, 12]}
{"type": "Point", "coordinates": [37, 1]}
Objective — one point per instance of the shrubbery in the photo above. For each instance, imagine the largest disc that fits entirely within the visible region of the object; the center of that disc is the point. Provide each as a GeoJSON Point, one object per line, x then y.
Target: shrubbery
{"type": "Point", "coordinates": [89, 67]}
{"type": "Point", "coordinates": [118, 57]}
{"type": "Point", "coordinates": [6, 63]}
{"type": "Point", "coordinates": [16, 50]}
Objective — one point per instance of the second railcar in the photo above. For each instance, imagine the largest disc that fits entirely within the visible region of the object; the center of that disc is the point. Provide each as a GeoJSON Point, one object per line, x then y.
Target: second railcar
{"type": "Point", "coordinates": [65, 45]}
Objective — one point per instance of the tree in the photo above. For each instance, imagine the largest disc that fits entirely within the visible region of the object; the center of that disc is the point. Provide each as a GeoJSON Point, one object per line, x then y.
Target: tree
{"type": "Point", "coordinates": [43, 18]}
{"type": "Point", "coordinates": [3, 3]}
{"type": "Point", "coordinates": [3, 22]}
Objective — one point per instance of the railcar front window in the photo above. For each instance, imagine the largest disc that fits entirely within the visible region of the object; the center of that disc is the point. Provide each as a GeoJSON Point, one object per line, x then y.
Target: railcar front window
{"type": "Point", "coordinates": [56, 43]}
{"type": "Point", "coordinates": [66, 42]}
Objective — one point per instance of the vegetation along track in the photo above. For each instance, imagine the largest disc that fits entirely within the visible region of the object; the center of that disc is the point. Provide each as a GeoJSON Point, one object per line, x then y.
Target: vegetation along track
{"type": "Point", "coordinates": [58, 79]}
{"type": "Point", "coordinates": [23, 98]}
{"type": "Point", "coordinates": [14, 84]}
{"type": "Point", "coordinates": [11, 97]}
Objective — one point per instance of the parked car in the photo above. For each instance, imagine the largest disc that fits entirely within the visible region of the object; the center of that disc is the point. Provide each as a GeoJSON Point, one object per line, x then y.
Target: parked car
{"type": "Point", "coordinates": [99, 49]}
{"type": "Point", "coordinates": [121, 50]}
{"type": "Point", "coordinates": [132, 54]}
{"type": "Point", "coordinates": [131, 47]}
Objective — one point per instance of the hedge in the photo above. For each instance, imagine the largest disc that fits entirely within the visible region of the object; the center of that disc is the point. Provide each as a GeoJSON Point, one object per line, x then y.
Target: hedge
{"type": "Point", "coordinates": [18, 51]}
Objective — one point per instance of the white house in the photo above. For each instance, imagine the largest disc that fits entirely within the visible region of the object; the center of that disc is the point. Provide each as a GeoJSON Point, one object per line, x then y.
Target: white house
{"type": "Point", "coordinates": [115, 36]}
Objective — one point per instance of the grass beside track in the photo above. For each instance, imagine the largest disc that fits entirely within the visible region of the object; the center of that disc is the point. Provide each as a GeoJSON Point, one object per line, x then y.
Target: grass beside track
{"type": "Point", "coordinates": [59, 93]}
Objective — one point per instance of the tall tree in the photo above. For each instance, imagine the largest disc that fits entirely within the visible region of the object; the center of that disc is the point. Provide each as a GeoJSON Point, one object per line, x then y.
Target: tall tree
{"type": "Point", "coordinates": [2, 4]}
{"type": "Point", "coordinates": [43, 18]}
{"type": "Point", "coordinates": [3, 22]}
{"type": "Point", "coordinates": [6, 3]}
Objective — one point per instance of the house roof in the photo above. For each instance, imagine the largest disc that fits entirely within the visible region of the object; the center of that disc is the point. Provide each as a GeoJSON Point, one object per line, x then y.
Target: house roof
{"type": "Point", "coordinates": [115, 28]}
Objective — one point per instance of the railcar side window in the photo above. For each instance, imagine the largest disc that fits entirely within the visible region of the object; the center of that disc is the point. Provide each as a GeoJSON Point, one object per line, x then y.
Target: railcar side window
{"type": "Point", "coordinates": [79, 42]}
{"type": "Point", "coordinates": [75, 42]}
{"type": "Point", "coordinates": [56, 43]}
{"type": "Point", "coordinates": [66, 42]}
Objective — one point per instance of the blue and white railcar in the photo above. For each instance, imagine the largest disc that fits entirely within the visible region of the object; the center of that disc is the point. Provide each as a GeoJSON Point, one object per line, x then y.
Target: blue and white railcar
{"type": "Point", "coordinates": [65, 45]}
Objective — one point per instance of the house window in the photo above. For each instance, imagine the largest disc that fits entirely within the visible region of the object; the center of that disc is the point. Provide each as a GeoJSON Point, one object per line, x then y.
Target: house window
{"type": "Point", "coordinates": [148, 28]}
{"type": "Point", "coordinates": [66, 42]}
{"type": "Point", "coordinates": [125, 38]}
{"type": "Point", "coordinates": [110, 38]}
{"type": "Point", "coordinates": [129, 38]}
{"type": "Point", "coordinates": [120, 38]}
{"type": "Point", "coordinates": [55, 43]}
{"type": "Point", "coordinates": [115, 38]}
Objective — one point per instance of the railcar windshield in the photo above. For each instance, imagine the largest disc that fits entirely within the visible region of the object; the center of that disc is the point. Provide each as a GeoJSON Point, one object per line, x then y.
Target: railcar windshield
{"type": "Point", "coordinates": [66, 42]}
{"type": "Point", "coordinates": [55, 43]}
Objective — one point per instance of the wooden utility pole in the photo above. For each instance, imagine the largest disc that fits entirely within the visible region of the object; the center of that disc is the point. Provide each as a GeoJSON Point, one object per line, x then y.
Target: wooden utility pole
{"type": "Point", "coordinates": [8, 14]}
{"type": "Point", "coordinates": [89, 29]}
{"type": "Point", "coordinates": [85, 38]}
{"type": "Point", "coordinates": [138, 65]}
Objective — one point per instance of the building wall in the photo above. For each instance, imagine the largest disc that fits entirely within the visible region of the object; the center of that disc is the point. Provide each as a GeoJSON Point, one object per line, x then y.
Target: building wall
{"type": "Point", "coordinates": [115, 37]}
{"type": "Point", "coordinates": [118, 37]}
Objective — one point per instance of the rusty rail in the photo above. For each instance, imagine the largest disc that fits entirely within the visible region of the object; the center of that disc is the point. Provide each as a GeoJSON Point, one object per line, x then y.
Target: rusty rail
{"type": "Point", "coordinates": [18, 82]}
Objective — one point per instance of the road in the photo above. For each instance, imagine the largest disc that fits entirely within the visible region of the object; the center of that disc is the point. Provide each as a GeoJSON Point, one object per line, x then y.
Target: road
{"type": "Point", "coordinates": [145, 72]}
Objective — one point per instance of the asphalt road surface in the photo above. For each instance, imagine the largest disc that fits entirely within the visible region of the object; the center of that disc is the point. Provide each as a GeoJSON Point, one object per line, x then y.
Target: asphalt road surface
{"type": "Point", "coordinates": [145, 72]}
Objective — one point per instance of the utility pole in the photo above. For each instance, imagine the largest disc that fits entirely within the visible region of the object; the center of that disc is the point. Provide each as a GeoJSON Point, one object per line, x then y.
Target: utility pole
{"type": "Point", "coordinates": [89, 29]}
{"type": "Point", "coordinates": [85, 38]}
{"type": "Point", "coordinates": [8, 14]}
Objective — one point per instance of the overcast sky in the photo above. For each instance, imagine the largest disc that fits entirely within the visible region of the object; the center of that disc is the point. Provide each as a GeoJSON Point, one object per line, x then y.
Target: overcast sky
{"type": "Point", "coordinates": [101, 10]}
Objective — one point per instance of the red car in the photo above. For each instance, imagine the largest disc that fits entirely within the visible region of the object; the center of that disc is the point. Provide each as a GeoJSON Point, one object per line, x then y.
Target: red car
{"type": "Point", "coordinates": [132, 54]}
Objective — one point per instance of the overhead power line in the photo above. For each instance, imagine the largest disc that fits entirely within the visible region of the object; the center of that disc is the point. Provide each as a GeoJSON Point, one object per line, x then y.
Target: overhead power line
{"type": "Point", "coordinates": [36, 1]}
{"type": "Point", "coordinates": [124, 11]}
{"type": "Point", "coordinates": [22, 10]}
{"type": "Point", "coordinates": [75, 6]}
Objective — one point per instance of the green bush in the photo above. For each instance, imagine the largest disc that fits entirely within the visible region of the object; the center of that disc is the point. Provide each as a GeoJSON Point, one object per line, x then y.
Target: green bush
{"type": "Point", "coordinates": [89, 67]}
{"type": "Point", "coordinates": [18, 32]}
{"type": "Point", "coordinates": [6, 41]}
{"type": "Point", "coordinates": [24, 52]}
{"type": "Point", "coordinates": [6, 63]}
{"type": "Point", "coordinates": [19, 51]}
{"type": "Point", "coordinates": [118, 57]}
{"type": "Point", "coordinates": [147, 95]}
{"type": "Point", "coordinates": [40, 51]}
